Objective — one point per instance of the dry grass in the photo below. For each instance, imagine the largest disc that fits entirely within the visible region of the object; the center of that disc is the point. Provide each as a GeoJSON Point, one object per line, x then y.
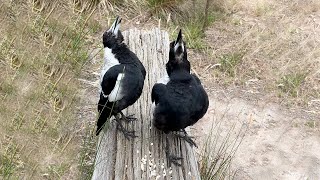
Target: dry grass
{"type": "Point", "coordinates": [219, 150]}
{"type": "Point", "coordinates": [280, 45]}
{"type": "Point", "coordinates": [264, 46]}
{"type": "Point", "coordinates": [44, 47]}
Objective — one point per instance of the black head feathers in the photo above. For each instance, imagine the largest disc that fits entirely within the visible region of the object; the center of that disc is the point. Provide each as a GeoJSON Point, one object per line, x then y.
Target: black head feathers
{"type": "Point", "coordinates": [113, 36]}
{"type": "Point", "coordinates": [178, 59]}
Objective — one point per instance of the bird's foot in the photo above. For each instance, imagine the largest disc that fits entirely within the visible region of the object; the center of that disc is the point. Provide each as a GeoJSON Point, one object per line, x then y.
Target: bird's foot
{"type": "Point", "coordinates": [174, 159]}
{"type": "Point", "coordinates": [171, 158]}
{"type": "Point", "coordinates": [187, 138]}
{"type": "Point", "coordinates": [127, 134]}
{"type": "Point", "coordinates": [129, 118]}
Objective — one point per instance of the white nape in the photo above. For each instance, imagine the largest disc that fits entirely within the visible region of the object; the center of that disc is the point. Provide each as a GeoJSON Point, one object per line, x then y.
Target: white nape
{"type": "Point", "coordinates": [116, 93]}
{"type": "Point", "coordinates": [164, 80]}
{"type": "Point", "coordinates": [109, 61]}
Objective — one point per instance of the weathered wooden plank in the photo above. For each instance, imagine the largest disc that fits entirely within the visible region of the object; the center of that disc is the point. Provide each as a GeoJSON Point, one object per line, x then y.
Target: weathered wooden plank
{"type": "Point", "coordinates": [143, 157]}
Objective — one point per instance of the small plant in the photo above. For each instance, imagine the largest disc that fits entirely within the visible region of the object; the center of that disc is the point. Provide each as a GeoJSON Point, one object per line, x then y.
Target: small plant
{"type": "Point", "coordinates": [194, 27]}
{"type": "Point", "coordinates": [312, 124]}
{"type": "Point", "coordinates": [7, 88]}
{"type": "Point", "coordinates": [56, 171]}
{"type": "Point", "coordinates": [194, 35]}
{"type": "Point", "coordinates": [230, 62]}
{"type": "Point", "coordinates": [290, 83]}
{"type": "Point", "coordinates": [217, 155]}
{"type": "Point", "coordinates": [9, 160]}
{"type": "Point", "coordinates": [162, 5]}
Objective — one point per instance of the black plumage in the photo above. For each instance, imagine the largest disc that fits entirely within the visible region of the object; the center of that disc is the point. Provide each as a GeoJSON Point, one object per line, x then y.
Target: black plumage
{"type": "Point", "coordinates": [180, 101]}
{"type": "Point", "coordinates": [122, 79]}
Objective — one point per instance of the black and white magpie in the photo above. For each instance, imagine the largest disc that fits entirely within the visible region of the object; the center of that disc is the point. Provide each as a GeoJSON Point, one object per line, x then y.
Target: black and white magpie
{"type": "Point", "coordinates": [179, 98]}
{"type": "Point", "coordinates": [122, 79]}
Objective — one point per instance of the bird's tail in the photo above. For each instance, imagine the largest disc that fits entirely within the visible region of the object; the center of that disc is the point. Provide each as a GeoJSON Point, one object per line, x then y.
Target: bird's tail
{"type": "Point", "coordinates": [104, 109]}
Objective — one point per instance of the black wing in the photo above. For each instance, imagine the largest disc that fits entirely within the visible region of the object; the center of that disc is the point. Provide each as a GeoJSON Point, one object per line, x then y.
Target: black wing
{"type": "Point", "coordinates": [110, 78]}
{"type": "Point", "coordinates": [196, 78]}
{"type": "Point", "coordinates": [158, 91]}
{"type": "Point", "coordinates": [104, 109]}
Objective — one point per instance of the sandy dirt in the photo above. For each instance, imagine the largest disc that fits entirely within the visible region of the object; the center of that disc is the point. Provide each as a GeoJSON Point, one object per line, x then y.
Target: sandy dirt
{"type": "Point", "coordinates": [283, 137]}
{"type": "Point", "coordinates": [279, 144]}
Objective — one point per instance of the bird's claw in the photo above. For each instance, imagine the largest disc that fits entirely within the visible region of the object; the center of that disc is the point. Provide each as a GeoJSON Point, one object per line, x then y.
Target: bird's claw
{"type": "Point", "coordinates": [174, 159]}
{"type": "Point", "coordinates": [188, 139]}
{"type": "Point", "coordinates": [129, 118]}
{"type": "Point", "coordinates": [127, 134]}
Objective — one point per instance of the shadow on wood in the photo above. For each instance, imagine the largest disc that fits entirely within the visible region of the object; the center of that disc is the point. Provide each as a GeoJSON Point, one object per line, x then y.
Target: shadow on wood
{"type": "Point", "coordinates": [143, 157]}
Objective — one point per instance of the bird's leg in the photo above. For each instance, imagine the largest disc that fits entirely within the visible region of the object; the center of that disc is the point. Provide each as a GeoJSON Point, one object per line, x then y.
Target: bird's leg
{"type": "Point", "coordinates": [187, 138]}
{"type": "Point", "coordinates": [129, 118]}
{"type": "Point", "coordinates": [172, 158]}
{"type": "Point", "coordinates": [125, 132]}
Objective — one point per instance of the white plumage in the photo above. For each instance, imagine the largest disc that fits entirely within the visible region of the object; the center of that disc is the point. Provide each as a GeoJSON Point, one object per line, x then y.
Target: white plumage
{"type": "Point", "coordinates": [110, 61]}
{"type": "Point", "coordinates": [164, 80]}
{"type": "Point", "coordinates": [116, 94]}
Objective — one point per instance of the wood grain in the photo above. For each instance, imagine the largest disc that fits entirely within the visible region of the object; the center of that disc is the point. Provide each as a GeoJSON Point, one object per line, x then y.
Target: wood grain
{"type": "Point", "coordinates": [143, 157]}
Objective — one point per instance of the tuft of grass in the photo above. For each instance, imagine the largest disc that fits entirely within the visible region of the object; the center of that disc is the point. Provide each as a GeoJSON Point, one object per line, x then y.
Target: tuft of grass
{"type": "Point", "coordinates": [230, 62]}
{"type": "Point", "coordinates": [217, 154]}
{"type": "Point", "coordinates": [56, 171]}
{"type": "Point", "coordinates": [162, 6]}
{"type": "Point", "coordinates": [290, 83]}
{"type": "Point", "coordinates": [312, 124]}
{"type": "Point", "coordinates": [194, 25]}
{"type": "Point", "coordinates": [9, 160]}
{"type": "Point", "coordinates": [7, 88]}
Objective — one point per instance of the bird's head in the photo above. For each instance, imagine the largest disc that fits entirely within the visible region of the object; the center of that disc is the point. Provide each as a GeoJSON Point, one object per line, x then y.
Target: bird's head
{"type": "Point", "coordinates": [113, 37]}
{"type": "Point", "coordinates": [178, 56]}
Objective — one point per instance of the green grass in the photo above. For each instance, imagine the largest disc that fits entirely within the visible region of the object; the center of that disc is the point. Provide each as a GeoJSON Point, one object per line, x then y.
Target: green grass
{"type": "Point", "coordinates": [312, 124]}
{"type": "Point", "coordinates": [191, 18]}
{"type": "Point", "coordinates": [162, 6]}
{"type": "Point", "coordinates": [56, 171]}
{"type": "Point", "coordinates": [229, 63]}
{"type": "Point", "coordinates": [161, 3]}
{"type": "Point", "coordinates": [10, 160]}
{"type": "Point", "coordinates": [291, 83]}
{"type": "Point", "coordinates": [193, 21]}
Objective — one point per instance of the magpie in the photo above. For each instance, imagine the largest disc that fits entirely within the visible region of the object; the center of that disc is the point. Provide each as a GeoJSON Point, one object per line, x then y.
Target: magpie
{"type": "Point", "coordinates": [122, 80]}
{"type": "Point", "coordinates": [179, 99]}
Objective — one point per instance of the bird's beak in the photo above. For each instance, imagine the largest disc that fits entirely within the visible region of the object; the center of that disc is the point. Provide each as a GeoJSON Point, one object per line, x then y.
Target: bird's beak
{"type": "Point", "coordinates": [115, 26]}
{"type": "Point", "coordinates": [179, 38]}
{"type": "Point", "coordinates": [179, 42]}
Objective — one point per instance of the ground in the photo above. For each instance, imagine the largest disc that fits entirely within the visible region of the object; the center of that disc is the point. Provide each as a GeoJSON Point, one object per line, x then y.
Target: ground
{"type": "Point", "coordinates": [279, 144]}
{"type": "Point", "coordinates": [278, 37]}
